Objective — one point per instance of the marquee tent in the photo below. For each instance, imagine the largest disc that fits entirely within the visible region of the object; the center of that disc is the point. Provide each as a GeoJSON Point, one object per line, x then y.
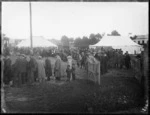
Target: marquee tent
{"type": "Point", "coordinates": [119, 42]}
{"type": "Point", "coordinates": [37, 42]}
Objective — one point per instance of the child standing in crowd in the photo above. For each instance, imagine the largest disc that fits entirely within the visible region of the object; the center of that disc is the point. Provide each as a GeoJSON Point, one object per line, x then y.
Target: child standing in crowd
{"type": "Point", "coordinates": [73, 71]}
{"type": "Point", "coordinates": [68, 71]}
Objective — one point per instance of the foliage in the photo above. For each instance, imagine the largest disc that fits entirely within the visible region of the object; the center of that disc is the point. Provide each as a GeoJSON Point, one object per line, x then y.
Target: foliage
{"type": "Point", "coordinates": [84, 42]}
{"type": "Point", "coordinates": [114, 33]}
{"type": "Point", "coordinates": [78, 42]}
{"type": "Point", "coordinates": [65, 41]}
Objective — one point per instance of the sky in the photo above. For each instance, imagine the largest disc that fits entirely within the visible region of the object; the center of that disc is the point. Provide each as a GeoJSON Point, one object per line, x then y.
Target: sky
{"type": "Point", "coordinates": [73, 19]}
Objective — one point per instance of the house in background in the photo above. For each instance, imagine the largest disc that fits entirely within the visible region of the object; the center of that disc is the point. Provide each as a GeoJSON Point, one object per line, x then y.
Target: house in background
{"type": "Point", "coordinates": [141, 39]}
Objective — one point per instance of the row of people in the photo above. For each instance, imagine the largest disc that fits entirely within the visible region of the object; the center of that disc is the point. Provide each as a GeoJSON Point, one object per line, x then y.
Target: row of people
{"type": "Point", "coordinates": [44, 52]}
{"type": "Point", "coordinates": [30, 69]}
{"type": "Point", "coordinates": [26, 69]}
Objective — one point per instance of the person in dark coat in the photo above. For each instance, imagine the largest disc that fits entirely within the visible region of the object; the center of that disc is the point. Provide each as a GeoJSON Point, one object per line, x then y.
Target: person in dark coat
{"type": "Point", "coordinates": [35, 70]}
{"type": "Point", "coordinates": [121, 60]}
{"type": "Point", "coordinates": [73, 72]}
{"type": "Point", "coordinates": [7, 70]}
{"type": "Point", "coordinates": [18, 68]}
{"type": "Point", "coordinates": [31, 68]}
{"type": "Point", "coordinates": [96, 56]}
{"type": "Point", "coordinates": [127, 60]}
{"type": "Point", "coordinates": [68, 71]}
{"type": "Point", "coordinates": [48, 68]}
{"type": "Point", "coordinates": [24, 70]}
{"type": "Point", "coordinates": [83, 60]}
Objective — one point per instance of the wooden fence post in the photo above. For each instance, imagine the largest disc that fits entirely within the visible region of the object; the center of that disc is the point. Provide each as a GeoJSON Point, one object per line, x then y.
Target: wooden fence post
{"type": "Point", "coordinates": [94, 71]}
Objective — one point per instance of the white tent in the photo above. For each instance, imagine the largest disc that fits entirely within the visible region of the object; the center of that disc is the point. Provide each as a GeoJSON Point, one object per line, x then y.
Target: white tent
{"type": "Point", "coordinates": [37, 42]}
{"type": "Point", "coordinates": [119, 42]}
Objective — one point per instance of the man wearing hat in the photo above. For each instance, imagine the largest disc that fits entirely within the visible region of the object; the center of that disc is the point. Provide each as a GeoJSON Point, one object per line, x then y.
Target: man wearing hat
{"type": "Point", "coordinates": [19, 71]}
{"type": "Point", "coordinates": [57, 68]}
{"type": "Point", "coordinates": [31, 69]}
{"type": "Point", "coordinates": [24, 69]}
{"type": "Point", "coordinates": [48, 68]}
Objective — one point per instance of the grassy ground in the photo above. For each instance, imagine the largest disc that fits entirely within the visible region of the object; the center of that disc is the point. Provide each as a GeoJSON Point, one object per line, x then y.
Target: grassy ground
{"type": "Point", "coordinates": [118, 92]}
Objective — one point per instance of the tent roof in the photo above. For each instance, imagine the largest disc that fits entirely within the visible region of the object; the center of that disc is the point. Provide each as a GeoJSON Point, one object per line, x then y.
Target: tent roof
{"type": "Point", "coordinates": [115, 41]}
{"type": "Point", "coordinates": [38, 41]}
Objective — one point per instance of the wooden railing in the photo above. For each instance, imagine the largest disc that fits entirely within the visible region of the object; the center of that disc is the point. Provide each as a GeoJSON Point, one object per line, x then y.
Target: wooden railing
{"type": "Point", "coordinates": [93, 71]}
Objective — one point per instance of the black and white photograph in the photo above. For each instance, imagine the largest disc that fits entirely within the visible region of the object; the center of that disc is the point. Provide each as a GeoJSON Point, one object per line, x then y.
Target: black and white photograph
{"type": "Point", "coordinates": [74, 57]}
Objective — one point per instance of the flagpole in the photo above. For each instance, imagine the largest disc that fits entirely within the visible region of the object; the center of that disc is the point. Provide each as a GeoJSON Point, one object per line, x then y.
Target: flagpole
{"type": "Point", "coordinates": [31, 26]}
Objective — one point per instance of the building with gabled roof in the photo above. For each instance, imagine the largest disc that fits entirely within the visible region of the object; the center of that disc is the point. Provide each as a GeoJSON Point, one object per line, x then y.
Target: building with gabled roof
{"type": "Point", "coordinates": [141, 39]}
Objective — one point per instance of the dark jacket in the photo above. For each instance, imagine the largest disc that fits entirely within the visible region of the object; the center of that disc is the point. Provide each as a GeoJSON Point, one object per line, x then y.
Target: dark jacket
{"type": "Point", "coordinates": [21, 65]}
{"type": "Point", "coordinates": [48, 68]}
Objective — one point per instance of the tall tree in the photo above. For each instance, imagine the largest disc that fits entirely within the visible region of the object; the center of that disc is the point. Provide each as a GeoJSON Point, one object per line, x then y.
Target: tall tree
{"type": "Point", "coordinates": [92, 39]}
{"type": "Point", "coordinates": [115, 33]}
{"type": "Point", "coordinates": [85, 42]}
{"type": "Point", "coordinates": [98, 36]}
{"type": "Point", "coordinates": [78, 42]}
{"type": "Point", "coordinates": [65, 41]}
{"type": "Point", "coordinates": [71, 39]}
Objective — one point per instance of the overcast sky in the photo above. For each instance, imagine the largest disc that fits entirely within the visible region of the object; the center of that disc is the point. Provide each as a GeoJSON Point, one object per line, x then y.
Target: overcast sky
{"type": "Point", "coordinates": [73, 19]}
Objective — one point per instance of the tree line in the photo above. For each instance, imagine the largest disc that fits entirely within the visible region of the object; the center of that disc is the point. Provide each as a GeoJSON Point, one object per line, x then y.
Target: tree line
{"type": "Point", "coordinates": [84, 42]}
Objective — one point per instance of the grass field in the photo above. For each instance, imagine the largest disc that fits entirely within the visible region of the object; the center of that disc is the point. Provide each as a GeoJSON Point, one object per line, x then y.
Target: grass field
{"type": "Point", "coordinates": [119, 91]}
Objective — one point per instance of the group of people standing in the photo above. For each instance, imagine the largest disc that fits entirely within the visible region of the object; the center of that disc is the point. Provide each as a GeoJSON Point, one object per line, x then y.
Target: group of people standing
{"type": "Point", "coordinates": [26, 69]}
{"type": "Point", "coordinates": [30, 68]}
{"type": "Point", "coordinates": [44, 52]}
{"type": "Point", "coordinates": [108, 59]}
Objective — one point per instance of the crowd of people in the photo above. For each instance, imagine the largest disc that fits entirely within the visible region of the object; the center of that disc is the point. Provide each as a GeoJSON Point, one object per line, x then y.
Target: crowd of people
{"type": "Point", "coordinates": [44, 52]}
{"type": "Point", "coordinates": [28, 69]}
{"type": "Point", "coordinates": [108, 58]}
{"type": "Point", "coordinates": [38, 68]}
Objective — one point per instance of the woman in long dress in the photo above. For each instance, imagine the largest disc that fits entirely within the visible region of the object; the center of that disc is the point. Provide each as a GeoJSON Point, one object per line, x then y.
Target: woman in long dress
{"type": "Point", "coordinates": [57, 68]}
{"type": "Point", "coordinates": [41, 70]}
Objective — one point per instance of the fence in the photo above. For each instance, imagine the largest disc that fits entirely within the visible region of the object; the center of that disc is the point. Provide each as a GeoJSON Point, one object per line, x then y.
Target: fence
{"type": "Point", "coordinates": [93, 71]}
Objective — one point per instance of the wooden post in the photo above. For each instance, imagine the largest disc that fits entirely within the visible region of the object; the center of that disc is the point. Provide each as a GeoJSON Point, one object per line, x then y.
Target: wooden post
{"type": "Point", "coordinates": [31, 26]}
